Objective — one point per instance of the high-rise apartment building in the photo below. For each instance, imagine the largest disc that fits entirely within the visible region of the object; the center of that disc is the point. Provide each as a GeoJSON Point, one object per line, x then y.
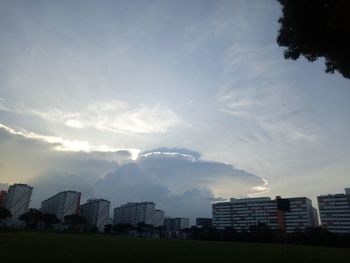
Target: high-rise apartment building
{"type": "Point", "coordinates": [243, 213]}
{"type": "Point", "coordinates": [204, 222]}
{"type": "Point", "coordinates": [175, 224]}
{"type": "Point", "coordinates": [157, 218]}
{"type": "Point", "coordinates": [17, 201]}
{"type": "Point", "coordinates": [62, 204]}
{"type": "Point", "coordinates": [96, 212]}
{"type": "Point", "coordinates": [335, 212]}
{"type": "Point", "coordinates": [302, 214]}
{"type": "Point", "coordinates": [135, 213]}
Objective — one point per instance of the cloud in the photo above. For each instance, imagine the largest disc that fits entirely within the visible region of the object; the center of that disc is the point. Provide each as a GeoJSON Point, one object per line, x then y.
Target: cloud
{"type": "Point", "coordinates": [3, 107]}
{"type": "Point", "coordinates": [177, 182]}
{"type": "Point", "coordinates": [112, 116]}
{"type": "Point", "coordinates": [176, 179]}
{"type": "Point", "coordinates": [53, 181]}
{"type": "Point", "coordinates": [274, 110]}
{"type": "Point", "coordinates": [24, 155]}
{"type": "Point", "coordinates": [61, 144]}
{"type": "Point", "coordinates": [4, 186]}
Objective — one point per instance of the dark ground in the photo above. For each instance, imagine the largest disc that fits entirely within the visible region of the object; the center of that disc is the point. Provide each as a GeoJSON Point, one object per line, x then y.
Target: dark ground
{"type": "Point", "coordinates": [58, 247]}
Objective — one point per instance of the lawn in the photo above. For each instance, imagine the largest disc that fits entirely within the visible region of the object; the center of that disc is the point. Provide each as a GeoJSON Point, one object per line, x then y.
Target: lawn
{"type": "Point", "coordinates": [55, 247]}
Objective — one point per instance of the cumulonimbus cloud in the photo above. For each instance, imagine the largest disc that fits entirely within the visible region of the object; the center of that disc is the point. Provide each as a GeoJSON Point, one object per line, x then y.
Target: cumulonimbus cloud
{"type": "Point", "coordinates": [176, 179]}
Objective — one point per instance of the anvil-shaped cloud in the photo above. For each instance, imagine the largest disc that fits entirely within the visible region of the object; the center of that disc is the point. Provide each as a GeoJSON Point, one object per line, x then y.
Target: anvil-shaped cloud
{"type": "Point", "coordinates": [177, 180]}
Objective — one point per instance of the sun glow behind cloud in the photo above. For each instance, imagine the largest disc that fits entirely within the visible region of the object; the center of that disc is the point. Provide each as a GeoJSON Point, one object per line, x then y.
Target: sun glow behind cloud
{"type": "Point", "coordinates": [60, 144]}
{"type": "Point", "coordinates": [112, 116]}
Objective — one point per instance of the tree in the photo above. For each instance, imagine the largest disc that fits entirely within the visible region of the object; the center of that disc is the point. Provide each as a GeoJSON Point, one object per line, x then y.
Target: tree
{"type": "Point", "coordinates": [122, 228]}
{"type": "Point", "coordinates": [32, 217]}
{"type": "Point", "coordinates": [108, 228]}
{"type": "Point", "coordinates": [75, 221]}
{"type": "Point", "coordinates": [4, 213]}
{"type": "Point", "coordinates": [50, 219]}
{"type": "Point", "coordinates": [317, 28]}
{"type": "Point", "coordinates": [261, 233]}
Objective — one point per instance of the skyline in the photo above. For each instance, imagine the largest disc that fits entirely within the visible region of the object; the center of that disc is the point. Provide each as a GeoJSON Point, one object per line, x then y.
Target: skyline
{"type": "Point", "coordinates": [167, 100]}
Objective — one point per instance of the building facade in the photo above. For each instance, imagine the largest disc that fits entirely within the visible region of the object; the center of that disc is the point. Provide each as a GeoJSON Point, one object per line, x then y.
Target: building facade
{"type": "Point", "coordinates": [335, 212]}
{"type": "Point", "coordinates": [135, 213]}
{"type": "Point", "coordinates": [157, 218]}
{"type": "Point", "coordinates": [96, 211]}
{"type": "Point", "coordinates": [204, 222]}
{"type": "Point", "coordinates": [17, 201]}
{"type": "Point", "coordinates": [62, 204]}
{"type": "Point", "coordinates": [243, 213]}
{"type": "Point", "coordinates": [302, 214]}
{"type": "Point", "coordinates": [176, 224]}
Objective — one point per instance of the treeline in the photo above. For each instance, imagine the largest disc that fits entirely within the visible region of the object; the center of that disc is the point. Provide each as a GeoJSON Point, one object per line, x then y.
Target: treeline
{"type": "Point", "coordinates": [314, 236]}
{"type": "Point", "coordinates": [35, 219]}
{"type": "Point", "coordinates": [262, 233]}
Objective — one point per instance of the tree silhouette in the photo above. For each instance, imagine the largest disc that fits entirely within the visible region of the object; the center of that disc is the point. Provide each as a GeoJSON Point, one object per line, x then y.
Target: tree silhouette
{"type": "Point", "coordinates": [108, 228]}
{"type": "Point", "coordinates": [122, 228]}
{"type": "Point", "coordinates": [261, 233]}
{"type": "Point", "coordinates": [75, 221]}
{"type": "Point", "coordinates": [317, 28]}
{"type": "Point", "coordinates": [4, 213]}
{"type": "Point", "coordinates": [50, 219]}
{"type": "Point", "coordinates": [32, 217]}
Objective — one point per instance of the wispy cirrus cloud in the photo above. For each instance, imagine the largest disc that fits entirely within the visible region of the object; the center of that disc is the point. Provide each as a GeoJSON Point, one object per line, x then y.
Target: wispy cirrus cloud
{"type": "Point", "coordinates": [254, 90]}
{"type": "Point", "coordinates": [276, 112]}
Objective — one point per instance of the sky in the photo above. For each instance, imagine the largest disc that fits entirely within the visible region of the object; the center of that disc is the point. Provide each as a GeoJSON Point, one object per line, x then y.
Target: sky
{"type": "Point", "coordinates": [183, 103]}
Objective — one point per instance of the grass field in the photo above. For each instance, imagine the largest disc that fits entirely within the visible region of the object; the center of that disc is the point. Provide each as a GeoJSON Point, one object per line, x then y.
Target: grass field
{"type": "Point", "coordinates": [54, 247]}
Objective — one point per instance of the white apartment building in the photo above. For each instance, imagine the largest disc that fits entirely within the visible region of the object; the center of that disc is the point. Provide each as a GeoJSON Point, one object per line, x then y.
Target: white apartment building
{"type": "Point", "coordinates": [135, 213]}
{"type": "Point", "coordinates": [62, 204]}
{"type": "Point", "coordinates": [243, 213]}
{"type": "Point", "coordinates": [302, 214]}
{"type": "Point", "coordinates": [175, 224]}
{"type": "Point", "coordinates": [17, 201]}
{"type": "Point", "coordinates": [157, 218]}
{"type": "Point", "coordinates": [335, 212]}
{"type": "Point", "coordinates": [96, 212]}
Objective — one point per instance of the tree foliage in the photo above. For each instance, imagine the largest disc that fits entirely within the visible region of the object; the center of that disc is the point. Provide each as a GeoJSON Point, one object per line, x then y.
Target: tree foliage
{"type": "Point", "coordinates": [122, 228]}
{"type": "Point", "coordinates": [4, 213]}
{"type": "Point", "coordinates": [32, 217]}
{"type": "Point", "coordinates": [50, 219]}
{"type": "Point", "coordinates": [317, 28]}
{"type": "Point", "coordinates": [108, 228]}
{"type": "Point", "coordinates": [75, 222]}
